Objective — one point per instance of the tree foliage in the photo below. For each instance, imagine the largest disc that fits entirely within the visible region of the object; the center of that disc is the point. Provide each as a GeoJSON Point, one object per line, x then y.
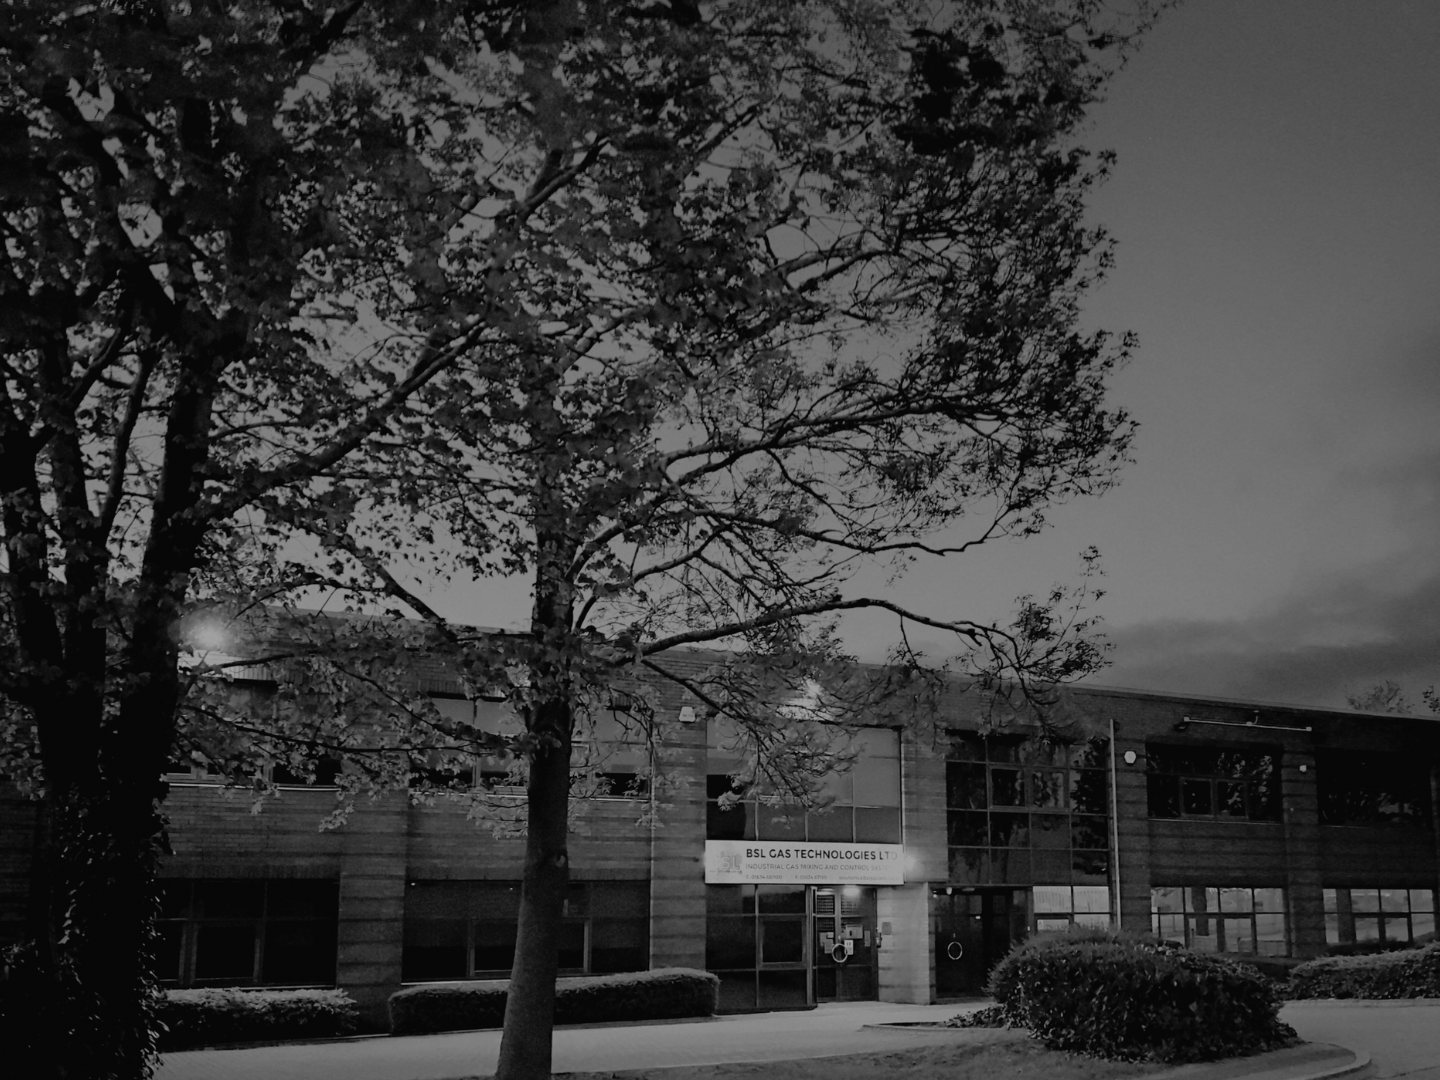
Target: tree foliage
{"type": "Point", "coordinates": [175, 345]}
{"type": "Point", "coordinates": [756, 295]}
{"type": "Point", "coordinates": [684, 312]}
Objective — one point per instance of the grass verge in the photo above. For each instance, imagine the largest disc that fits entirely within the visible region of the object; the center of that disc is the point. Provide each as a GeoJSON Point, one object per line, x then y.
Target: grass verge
{"type": "Point", "coordinates": [1005, 1058]}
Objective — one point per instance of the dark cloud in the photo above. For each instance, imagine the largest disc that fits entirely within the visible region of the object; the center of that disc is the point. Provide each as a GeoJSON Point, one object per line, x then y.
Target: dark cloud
{"type": "Point", "coordinates": [1313, 648]}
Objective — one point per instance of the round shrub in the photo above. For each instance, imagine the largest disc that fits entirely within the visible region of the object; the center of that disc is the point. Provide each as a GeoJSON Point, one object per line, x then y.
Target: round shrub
{"type": "Point", "coordinates": [1133, 999]}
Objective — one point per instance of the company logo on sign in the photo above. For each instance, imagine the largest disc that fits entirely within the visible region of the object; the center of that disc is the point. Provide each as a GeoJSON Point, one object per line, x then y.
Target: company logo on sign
{"type": "Point", "coordinates": [739, 862]}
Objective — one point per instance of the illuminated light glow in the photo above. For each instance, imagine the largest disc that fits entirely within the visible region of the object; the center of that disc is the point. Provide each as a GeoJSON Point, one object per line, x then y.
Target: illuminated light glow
{"type": "Point", "coordinates": [208, 637]}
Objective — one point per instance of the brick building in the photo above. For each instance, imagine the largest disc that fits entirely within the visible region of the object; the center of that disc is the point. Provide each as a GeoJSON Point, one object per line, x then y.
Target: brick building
{"type": "Point", "coordinates": [1238, 827]}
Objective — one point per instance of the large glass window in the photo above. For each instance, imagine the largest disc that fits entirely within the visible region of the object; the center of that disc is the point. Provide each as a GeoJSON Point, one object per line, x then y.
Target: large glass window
{"type": "Point", "coordinates": [1022, 810]}
{"type": "Point", "coordinates": [1379, 917]}
{"type": "Point", "coordinates": [609, 757]}
{"type": "Point", "coordinates": [1213, 782]}
{"type": "Point", "coordinates": [864, 805]}
{"type": "Point", "coordinates": [758, 939]}
{"type": "Point", "coordinates": [1372, 789]}
{"type": "Point", "coordinates": [466, 929]}
{"type": "Point", "coordinates": [1058, 907]}
{"type": "Point", "coordinates": [1244, 920]}
{"type": "Point", "coordinates": [247, 933]}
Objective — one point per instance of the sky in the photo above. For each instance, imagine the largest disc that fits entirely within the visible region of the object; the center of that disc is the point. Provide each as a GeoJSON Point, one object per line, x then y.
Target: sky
{"type": "Point", "coordinates": [1276, 210]}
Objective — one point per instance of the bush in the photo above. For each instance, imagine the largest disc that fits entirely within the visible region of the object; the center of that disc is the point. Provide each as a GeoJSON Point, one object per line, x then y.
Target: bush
{"type": "Point", "coordinates": [1128, 998]}
{"type": "Point", "coordinates": [1277, 968]}
{"type": "Point", "coordinates": [663, 994]}
{"type": "Point", "coordinates": [1001, 983]}
{"type": "Point", "coordinates": [1405, 974]}
{"type": "Point", "coordinates": [192, 1018]}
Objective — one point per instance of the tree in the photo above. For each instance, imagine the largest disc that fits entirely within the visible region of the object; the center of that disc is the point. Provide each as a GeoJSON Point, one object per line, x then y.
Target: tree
{"type": "Point", "coordinates": [685, 311]}
{"type": "Point", "coordinates": [761, 293]}
{"type": "Point", "coordinates": [1381, 697]}
{"type": "Point", "coordinates": [182, 204]}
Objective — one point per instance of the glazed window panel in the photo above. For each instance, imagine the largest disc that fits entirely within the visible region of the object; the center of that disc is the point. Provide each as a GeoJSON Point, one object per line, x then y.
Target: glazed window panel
{"type": "Point", "coordinates": [466, 929]}
{"type": "Point", "coordinates": [1372, 789]}
{"type": "Point", "coordinates": [863, 802]}
{"type": "Point", "coordinates": [1016, 811]}
{"type": "Point", "coordinates": [1090, 791]}
{"type": "Point", "coordinates": [965, 785]}
{"type": "Point", "coordinates": [1007, 787]}
{"type": "Point", "coordinates": [1239, 920]}
{"type": "Point", "coordinates": [1059, 906]}
{"type": "Point", "coordinates": [1370, 916]}
{"type": "Point", "coordinates": [1048, 789]}
{"type": "Point", "coordinates": [1212, 782]}
{"type": "Point", "coordinates": [248, 932]}
{"type": "Point", "coordinates": [877, 825]}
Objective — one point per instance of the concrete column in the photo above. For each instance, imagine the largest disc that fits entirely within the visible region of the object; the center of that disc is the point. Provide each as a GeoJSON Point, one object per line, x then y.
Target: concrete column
{"type": "Point", "coordinates": [372, 906]}
{"type": "Point", "coordinates": [907, 954]}
{"type": "Point", "coordinates": [677, 852]}
{"type": "Point", "coordinates": [1303, 896]}
{"type": "Point", "coordinates": [1131, 829]}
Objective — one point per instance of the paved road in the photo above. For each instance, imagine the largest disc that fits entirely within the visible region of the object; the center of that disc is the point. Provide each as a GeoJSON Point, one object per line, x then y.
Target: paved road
{"type": "Point", "coordinates": [830, 1029]}
{"type": "Point", "coordinates": [1402, 1038]}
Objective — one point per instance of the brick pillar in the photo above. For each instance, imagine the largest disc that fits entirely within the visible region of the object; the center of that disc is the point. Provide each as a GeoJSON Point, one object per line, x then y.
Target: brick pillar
{"type": "Point", "coordinates": [677, 850]}
{"type": "Point", "coordinates": [1130, 829]}
{"type": "Point", "coordinates": [372, 905]}
{"type": "Point", "coordinates": [1303, 896]}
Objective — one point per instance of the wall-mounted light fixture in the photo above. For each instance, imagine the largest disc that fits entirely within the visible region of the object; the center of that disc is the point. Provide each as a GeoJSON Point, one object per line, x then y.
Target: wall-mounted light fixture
{"type": "Point", "coordinates": [687, 714]}
{"type": "Point", "coordinates": [1129, 757]}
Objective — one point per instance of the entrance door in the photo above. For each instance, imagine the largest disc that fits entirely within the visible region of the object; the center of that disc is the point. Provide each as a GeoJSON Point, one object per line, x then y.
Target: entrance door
{"type": "Point", "coordinates": [973, 929]}
{"type": "Point", "coordinates": [845, 948]}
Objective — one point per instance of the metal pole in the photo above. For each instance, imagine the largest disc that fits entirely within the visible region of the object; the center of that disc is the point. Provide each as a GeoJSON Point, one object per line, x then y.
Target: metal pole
{"type": "Point", "coordinates": [1115, 826]}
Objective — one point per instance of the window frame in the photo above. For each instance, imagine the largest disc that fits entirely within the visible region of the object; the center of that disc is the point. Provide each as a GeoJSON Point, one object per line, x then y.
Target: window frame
{"type": "Point", "coordinates": [1229, 908]}
{"type": "Point", "coordinates": [1186, 781]}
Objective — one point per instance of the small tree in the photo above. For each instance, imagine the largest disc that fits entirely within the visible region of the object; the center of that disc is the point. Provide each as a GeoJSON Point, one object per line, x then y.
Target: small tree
{"type": "Point", "coordinates": [1381, 697]}
{"type": "Point", "coordinates": [761, 293]}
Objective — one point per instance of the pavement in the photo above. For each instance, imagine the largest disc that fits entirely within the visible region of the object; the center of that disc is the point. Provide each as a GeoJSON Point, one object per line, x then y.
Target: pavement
{"type": "Point", "coordinates": [1402, 1038]}
{"type": "Point", "coordinates": [1344, 1039]}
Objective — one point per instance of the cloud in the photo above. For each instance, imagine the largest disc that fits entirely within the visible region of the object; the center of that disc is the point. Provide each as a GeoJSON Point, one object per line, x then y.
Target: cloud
{"type": "Point", "coordinates": [1313, 647]}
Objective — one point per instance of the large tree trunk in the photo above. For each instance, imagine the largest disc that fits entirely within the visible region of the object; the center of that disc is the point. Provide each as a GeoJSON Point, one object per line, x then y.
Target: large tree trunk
{"type": "Point", "coordinates": [525, 1047]}
{"type": "Point", "coordinates": [82, 995]}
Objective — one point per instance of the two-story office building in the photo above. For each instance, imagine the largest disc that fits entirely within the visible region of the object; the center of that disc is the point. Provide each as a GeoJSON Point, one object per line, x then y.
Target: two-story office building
{"type": "Point", "coordinates": [1237, 827]}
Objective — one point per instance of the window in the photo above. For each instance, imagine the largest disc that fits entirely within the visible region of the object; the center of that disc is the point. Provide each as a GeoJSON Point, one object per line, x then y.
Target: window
{"type": "Point", "coordinates": [758, 939]}
{"type": "Point", "coordinates": [311, 766]}
{"type": "Point", "coordinates": [1249, 921]}
{"type": "Point", "coordinates": [1372, 789]}
{"type": "Point", "coordinates": [466, 929]}
{"type": "Point", "coordinates": [1212, 782]}
{"type": "Point", "coordinates": [1379, 917]}
{"type": "Point", "coordinates": [608, 759]}
{"type": "Point", "coordinates": [1021, 810]}
{"type": "Point", "coordinates": [1057, 907]}
{"type": "Point", "coordinates": [247, 933]}
{"type": "Point", "coordinates": [865, 806]}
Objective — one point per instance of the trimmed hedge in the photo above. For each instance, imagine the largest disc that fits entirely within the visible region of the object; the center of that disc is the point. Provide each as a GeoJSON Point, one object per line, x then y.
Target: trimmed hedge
{"type": "Point", "coordinates": [1408, 973]}
{"type": "Point", "coordinates": [1132, 999]}
{"type": "Point", "coordinates": [663, 994]}
{"type": "Point", "coordinates": [190, 1018]}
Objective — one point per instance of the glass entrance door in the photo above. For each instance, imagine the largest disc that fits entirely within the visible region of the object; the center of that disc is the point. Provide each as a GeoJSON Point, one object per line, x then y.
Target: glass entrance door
{"type": "Point", "coordinates": [973, 929]}
{"type": "Point", "coordinates": [845, 944]}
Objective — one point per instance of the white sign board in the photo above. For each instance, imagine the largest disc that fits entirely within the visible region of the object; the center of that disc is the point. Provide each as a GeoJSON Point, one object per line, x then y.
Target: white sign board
{"type": "Point", "coordinates": [797, 862]}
